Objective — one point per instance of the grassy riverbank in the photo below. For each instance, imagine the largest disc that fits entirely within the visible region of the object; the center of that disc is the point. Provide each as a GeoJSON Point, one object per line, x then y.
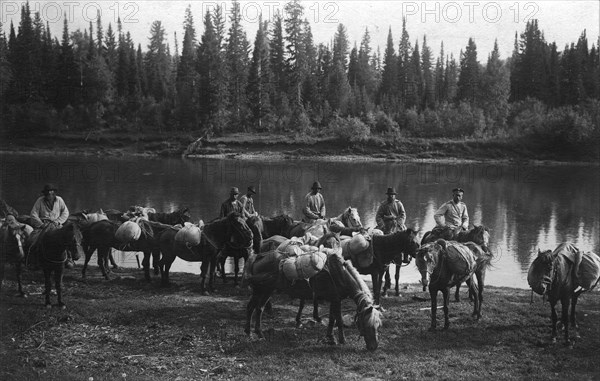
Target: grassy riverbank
{"type": "Point", "coordinates": [247, 145]}
{"type": "Point", "coordinates": [128, 329]}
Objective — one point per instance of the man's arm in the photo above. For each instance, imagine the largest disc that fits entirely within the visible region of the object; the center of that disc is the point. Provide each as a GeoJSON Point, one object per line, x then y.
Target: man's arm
{"type": "Point", "coordinates": [465, 219]}
{"type": "Point", "coordinates": [64, 211]}
{"type": "Point", "coordinates": [35, 212]}
{"type": "Point", "coordinates": [223, 211]}
{"type": "Point", "coordinates": [306, 210]}
{"type": "Point", "coordinates": [439, 215]}
{"type": "Point", "coordinates": [401, 214]}
{"type": "Point", "coordinates": [322, 211]}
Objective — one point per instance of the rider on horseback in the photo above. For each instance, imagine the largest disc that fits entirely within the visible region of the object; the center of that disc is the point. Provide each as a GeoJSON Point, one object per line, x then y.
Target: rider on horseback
{"type": "Point", "coordinates": [232, 204]}
{"type": "Point", "coordinates": [391, 216]}
{"type": "Point", "coordinates": [314, 208]}
{"type": "Point", "coordinates": [248, 203]}
{"type": "Point", "coordinates": [452, 214]}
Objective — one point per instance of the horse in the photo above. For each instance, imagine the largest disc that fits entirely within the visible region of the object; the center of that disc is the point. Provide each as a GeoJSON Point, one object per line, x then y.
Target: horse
{"type": "Point", "coordinates": [177, 217]}
{"type": "Point", "coordinates": [13, 240]}
{"type": "Point", "coordinates": [51, 253]}
{"type": "Point", "coordinates": [564, 274]}
{"type": "Point", "coordinates": [445, 264]}
{"type": "Point", "coordinates": [339, 280]}
{"type": "Point", "coordinates": [230, 231]}
{"type": "Point", "coordinates": [101, 236]}
{"type": "Point", "coordinates": [479, 234]}
{"type": "Point", "coordinates": [271, 226]}
{"type": "Point", "coordinates": [250, 239]}
{"type": "Point", "coordinates": [385, 249]}
{"type": "Point", "coordinates": [349, 218]}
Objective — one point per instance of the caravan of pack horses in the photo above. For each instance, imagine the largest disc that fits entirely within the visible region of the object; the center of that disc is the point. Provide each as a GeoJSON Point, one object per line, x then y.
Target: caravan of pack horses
{"type": "Point", "coordinates": [316, 257]}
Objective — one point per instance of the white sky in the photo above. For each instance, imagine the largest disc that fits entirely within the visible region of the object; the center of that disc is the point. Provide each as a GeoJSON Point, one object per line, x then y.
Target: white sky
{"type": "Point", "coordinates": [452, 22]}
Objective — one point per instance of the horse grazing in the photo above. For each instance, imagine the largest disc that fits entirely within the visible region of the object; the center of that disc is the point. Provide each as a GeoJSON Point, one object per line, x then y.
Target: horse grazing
{"type": "Point", "coordinates": [564, 274]}
{"type": "Point", "coordinates": [101, 236]}
{"type": "Point", "coordinates": [13, 241]}
{"type": "Point", "coordinates": [385, 249]}
{"type": "Point", "coordinates": [221, 234]}
{"type": "Point", "coordinates": [248, 238]}
{"type": "Point", "coordinates": [51, 253]}
{"type": "Point", "coordinates": [445, 264]}
{"type": "Point", "coordinates": [479, 234]}
{"type": "Point", "coordinates": [337, 281]}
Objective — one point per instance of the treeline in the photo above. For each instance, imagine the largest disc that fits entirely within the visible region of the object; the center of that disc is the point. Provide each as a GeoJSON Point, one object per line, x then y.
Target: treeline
{"type": "Point", "coordinates": [286, 82]}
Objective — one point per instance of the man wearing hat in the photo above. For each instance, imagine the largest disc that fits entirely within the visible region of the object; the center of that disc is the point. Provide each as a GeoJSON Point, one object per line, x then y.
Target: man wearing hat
{"type": "Point", "coordinates": [248, 203]}
{"type": "Point", "coordinates": [232, 204]}
{"type": "Point", "coordinates": [390, 215]}
{"type": "Point", "coordinates": [49, 209]}
{"type": "Point", "coordinates": [453, 214]}
{"type": "Point", "coordinates": [314, 202]}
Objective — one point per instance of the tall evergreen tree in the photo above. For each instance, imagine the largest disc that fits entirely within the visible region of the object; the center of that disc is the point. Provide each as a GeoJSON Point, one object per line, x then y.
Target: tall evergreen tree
{"type": "Point", "coordinates": [389, 77]}
{"type": "Point", "coordinates": [469, 77]}
{"type": "Point", "coordinates": [340, 46]}
{"type": "Point", "coordinates": [428, 97]}
{"type": "Point", "coordinates": [495, 88]}
{"type": "Point", "coordinates": [260, 77]}
{"type": "Point", "coordinates": [157, 62]}
{"type": "Point", "coordinates": [187, 80]}
{"type": "Point", "coordinates": [278, 63]}
{"type": "Point", "coordinates": [295, 50]}
{"type": "Point", "coordinates": [237, 62]}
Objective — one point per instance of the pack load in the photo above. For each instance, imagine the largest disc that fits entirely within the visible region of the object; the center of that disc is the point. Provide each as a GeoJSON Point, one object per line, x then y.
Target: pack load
{"type": "Point", "coordinates": [189, 234]}
{"type": "Point", "coordinates": [95, 217]}
{"type": "Point", "coordinates": [589, 270]}
{"type": "Point", "coordinates": [128, 231]}
{"type": "Point", "coordinates": [461, 260]}
{"type": "Point", "coordinates": [357, 249]}
{"type": "Point", "coordinates": [262, 269]}
{"type": "Point", "coordinates": [303, 266]}
{"type": "Point", "coordinates": [291, 247]}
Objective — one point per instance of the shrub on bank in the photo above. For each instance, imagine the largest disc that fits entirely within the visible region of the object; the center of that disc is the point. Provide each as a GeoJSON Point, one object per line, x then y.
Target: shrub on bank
{"type": "Point", "coordinates": [349, 130]}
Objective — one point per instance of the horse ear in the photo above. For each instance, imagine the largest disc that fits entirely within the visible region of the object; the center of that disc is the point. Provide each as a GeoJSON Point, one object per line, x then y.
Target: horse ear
{"type": "Point", "coordinates": [442, 243]}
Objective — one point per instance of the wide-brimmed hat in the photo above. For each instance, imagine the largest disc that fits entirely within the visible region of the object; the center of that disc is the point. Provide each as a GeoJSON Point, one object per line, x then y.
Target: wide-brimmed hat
{"type": "Point", "coordinates": [456, 190]}
{"type": "Point", "coordinates": [251, 189]}
{"type": "Point", "coordinates": [317, 185]}
{"type": "Point", "coordinates": [49, 187]}
{"type": "Point", "coordinates": [234, 190]}
{"type": "Point", "coordinates": [391, 190]}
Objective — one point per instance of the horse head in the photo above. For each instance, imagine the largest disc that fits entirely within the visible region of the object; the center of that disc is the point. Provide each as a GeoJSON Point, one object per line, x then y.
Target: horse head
{"type": "Point", "coordinates": [426, 260]}
{"type": "Point", "coordinates": [413, 242]}
{"type": "Point", "coordinates": [541, 272]}
{"type": "Point", "coordinates": [241, 236]}
{"type": "Point", "coordinates": [481, 236]}
{"type": "Point", "coordinates": [351, 218]}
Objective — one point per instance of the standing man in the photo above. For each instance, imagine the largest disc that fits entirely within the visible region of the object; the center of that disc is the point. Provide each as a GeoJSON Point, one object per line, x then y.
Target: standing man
{"type": "Point", "coordinates": [390, 215]}
{"type": "Point", "coordinates": [248, 203]}
{"type": "Point", "coordinates": [453, 214]}
{"type": "Point", "coordinates": [232, 204]}
{"type": "Point", "coordinates": [314, 204]}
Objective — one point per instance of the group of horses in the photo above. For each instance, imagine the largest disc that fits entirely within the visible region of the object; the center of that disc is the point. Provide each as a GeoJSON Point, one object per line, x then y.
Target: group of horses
{"type": "Point", "coordinates": [443, 258]}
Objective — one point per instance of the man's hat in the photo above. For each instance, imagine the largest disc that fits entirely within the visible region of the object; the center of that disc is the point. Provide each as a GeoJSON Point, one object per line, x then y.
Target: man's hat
{"type": "Point", "coordinates": [455, 190]}
{"type": "Point", "coordinates": [234, 190]}
{"type": "Point", "coordinates": [391, 190]}
{"type": "Point", "coordinates": [48, 188]}
{"type": "Point", "coordinates": [317, 185]}
{"type": "Point", "coordinates": [252, 189]}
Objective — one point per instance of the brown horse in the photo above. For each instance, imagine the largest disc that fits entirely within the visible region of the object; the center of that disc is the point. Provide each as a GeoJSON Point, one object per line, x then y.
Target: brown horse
{"type": "Point", "coordinates": [270, 226]}
{"type": "Point", "coordinates": [445, 264]}
{"type": "Point", "coordinates": [479, 234]}
{"type": "Point", "coordinates": [564, 274]}
{"type": "Point", "coordinates": [239, 249]}
{"type": "Point", "coordinates": [339, 280]}
{"type": "Point", "coordinates": [216, 236]}
{"type": "Point", "coordinates": [51, 253]}
{"type": "Point", "coordinates": [13, 245]}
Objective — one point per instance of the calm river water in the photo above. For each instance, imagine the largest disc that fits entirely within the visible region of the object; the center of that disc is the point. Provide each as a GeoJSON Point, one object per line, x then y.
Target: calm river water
{"type": "Point", "coordinates": [526, 207]}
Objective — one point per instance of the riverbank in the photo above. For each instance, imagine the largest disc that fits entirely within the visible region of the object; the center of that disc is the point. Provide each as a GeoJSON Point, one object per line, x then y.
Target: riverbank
{"type": "Point", "coordinates": [129, 329]}
{"type": "Point", "coordinates": [275, 146]}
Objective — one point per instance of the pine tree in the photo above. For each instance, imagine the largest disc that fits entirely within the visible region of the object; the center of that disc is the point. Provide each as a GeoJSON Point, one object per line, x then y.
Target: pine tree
{"type": "Point", "coordinates": [237, 63]}
{"type": "Point", "coordinates": [187, 80]}
{"type": "Point", "coordinates": [5, 66]}
{"type": "Point", "coordinates": [495, 88]}
{"type": "Point", "coordinates": [440, 90]}
{"type": "Point", "coordinates": [260, 77]}
{"type": "Point", "coordinates": [428, 79]}
{"type": "Point", "coordinates": [157, 62]}
{"type": "Point", "coordinates": [278, 64]}
{"type": "Point", "coordinates": [68, 72]}
{"type": "Point", "coordinates": [389, 77]}
{"type": "Point", "coordinates": [469, 77]}
{"type": "Point", "coordinates": [209, 59]}
{"type": "Point", "coordinates": [406, 80]}
{"type": "Point", "coordinates": [295, 52]}
{"type": "Point", "coordinates": [340, 46]}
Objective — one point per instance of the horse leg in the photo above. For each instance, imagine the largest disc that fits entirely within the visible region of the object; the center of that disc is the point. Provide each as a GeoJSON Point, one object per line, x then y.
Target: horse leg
{"type": "Point", "coordinates": [474, 290]}
{"type": "Point", "coordinates": [446, 296]}
{"type": "Point", "coordinates": [259, 310]}
{"type": "Point", "coordinates": [387, 283]}
{"type": "Point", "coordinates": [221, 262]}
{"type": "Point", "coordinates": [88, 255]}
{"type": "Point", "coordinates": [48, 285]}
{"type": "Point", "coordinates": [433, 297]}
{"type": "Point", "coordinates": [340, 321]}
{"type": "Point", "coordinates": [156, 261]}
{"type": "Point", "coordinates": [299, 314]}
{"type": "Point", "coordinates": [457, 293]}
{"type": "Point", "coordinates": [316, 309]}
{"type": "Point", "coordinates": [554, 318]}
{"type": "Point", "coordinates": [479, 295]}
{"type": "Point", "coordinates": [146, 265]}
{"type": "Point", "coordinates": [236, 266]}
{"type": "Point", "coordinates": [376, 278]}
{"type": "Point", "coordinates": [19, 271]}
{"type": "Point", "coordinates": [211, 276]}
{"type": "Point", "coordinates": [111, 258]}
{"type": "Point", "coordinates": [103, 254]}
{"type": "Point", "coordinates": [574, 325]}
{"type": "Point", "coordinates": [58, 276]}
{"type": "Point", "coordinates": [165, 266]}
{"type": "Point", "coordinates": [203, 271]}
{"type": "Point", "coordinates": [397, 279]}
{"type": "Point", "coordinates": [332, 318]}
{"type": "Point", "coordinates": [564, 302]}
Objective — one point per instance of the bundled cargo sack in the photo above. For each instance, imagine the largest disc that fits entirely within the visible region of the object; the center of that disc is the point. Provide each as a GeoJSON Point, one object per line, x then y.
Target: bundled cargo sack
{"type": "Point", "coordinates": [262, 269]}
{"type": "Point", "coordinates": [272, 243]}
{"type": "Point", "coordinates": [460, 259]}
{"type": "Point", "coordinates": [128, 231]}
{"type": "Point", "coordinates": [357, 249]}
{"type": "Point", "coordinates": [189, 234]}
{"type": "Point", "coordinates": [588, 273]}
{"type": "Point", "coordinates": [291, 247]}
{"type": "Point", "coordinates": [303, 266]}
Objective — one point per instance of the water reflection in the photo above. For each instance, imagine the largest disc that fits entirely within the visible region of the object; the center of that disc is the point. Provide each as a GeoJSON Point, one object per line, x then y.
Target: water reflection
{"type": "Point", "coordinates": [526, 207]}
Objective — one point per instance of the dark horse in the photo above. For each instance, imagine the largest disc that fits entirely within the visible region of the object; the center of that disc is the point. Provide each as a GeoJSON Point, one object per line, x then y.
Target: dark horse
{"type": "Point", "coordinates": [13, 244]}
{"type": "Point", "coordinates": [270, 226]}
{"type": "Point", "coordinates": [51, 253]}
{"type": "Point", "coordinates": [385, 249]}
{"type": "Point", "coordinates": [337, 281]}
{"type": "Point", "coordinates": [216, 235]}
{"type": "Point", "coordinates": [239, 249]}
{"type": "Point", "coordinates": [101, 236]}
{"type": "Point", "coordinates": [557, 274]}
{"type": "Point", "coordinates": [479, 234]}
{"type": "Point", "coordinates": [445, 264]}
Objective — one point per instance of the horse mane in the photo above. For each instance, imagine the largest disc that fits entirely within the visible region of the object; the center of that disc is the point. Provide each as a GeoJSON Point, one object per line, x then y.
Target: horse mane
{"type": "Point", "coordinates": [359, 280]}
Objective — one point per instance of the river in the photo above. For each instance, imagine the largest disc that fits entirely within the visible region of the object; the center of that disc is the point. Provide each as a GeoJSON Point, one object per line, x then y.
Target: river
{"type": "Point", "coordinates": [525, 206]}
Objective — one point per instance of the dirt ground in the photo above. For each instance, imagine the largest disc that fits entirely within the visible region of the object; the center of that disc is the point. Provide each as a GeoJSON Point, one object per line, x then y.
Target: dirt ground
{"type": "Point", "coordinates": [130, 329]}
